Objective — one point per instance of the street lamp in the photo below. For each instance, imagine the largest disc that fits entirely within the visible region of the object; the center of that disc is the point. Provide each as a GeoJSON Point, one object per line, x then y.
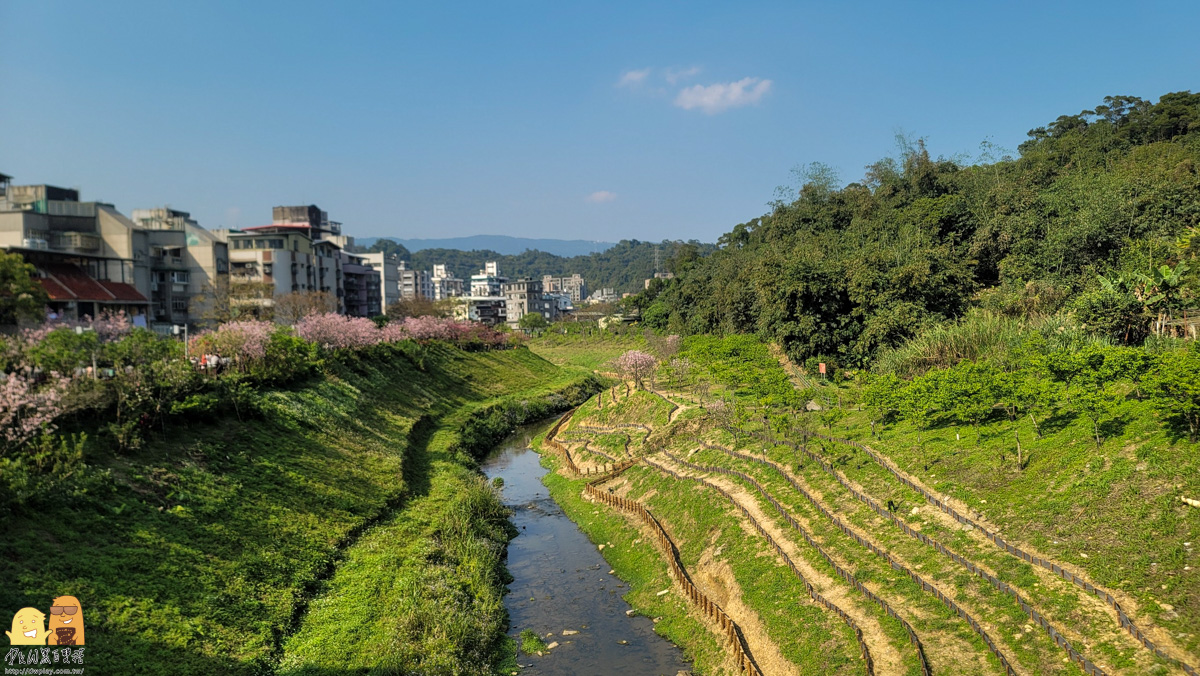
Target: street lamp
{"type": "Point", "coordinates": [79, 332]}
{"type": "Point", "coordinates": [182, 328]}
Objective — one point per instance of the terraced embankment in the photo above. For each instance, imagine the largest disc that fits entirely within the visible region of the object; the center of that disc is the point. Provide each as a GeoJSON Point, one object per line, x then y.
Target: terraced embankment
{"type": "Point", "coordinates": [918, 592]}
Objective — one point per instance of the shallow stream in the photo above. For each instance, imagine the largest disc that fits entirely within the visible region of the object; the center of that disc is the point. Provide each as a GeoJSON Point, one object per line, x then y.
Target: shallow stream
{"type": "Point", "coordinates": [562, 583]}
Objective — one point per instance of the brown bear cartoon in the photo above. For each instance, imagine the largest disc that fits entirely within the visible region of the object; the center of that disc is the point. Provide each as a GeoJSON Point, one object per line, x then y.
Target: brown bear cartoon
{"type": "Point", "coordinates": [66, 622]}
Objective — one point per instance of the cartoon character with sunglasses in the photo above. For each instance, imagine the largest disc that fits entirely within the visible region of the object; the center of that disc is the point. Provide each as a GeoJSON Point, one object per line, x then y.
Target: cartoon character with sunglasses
{"type": "Point", "coordinates": [66, 622]}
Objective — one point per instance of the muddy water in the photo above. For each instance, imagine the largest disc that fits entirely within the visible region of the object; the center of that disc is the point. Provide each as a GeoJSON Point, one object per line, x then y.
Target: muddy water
{"type": "Point", "coordinates": [562, 583]}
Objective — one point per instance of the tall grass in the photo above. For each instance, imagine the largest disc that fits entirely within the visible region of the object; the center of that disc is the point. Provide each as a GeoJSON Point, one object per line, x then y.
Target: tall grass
{"type": "Point", "coordinates": [980, 335]}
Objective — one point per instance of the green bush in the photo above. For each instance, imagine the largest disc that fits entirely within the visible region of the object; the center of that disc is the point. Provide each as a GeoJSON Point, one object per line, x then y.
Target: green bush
{"type": "Point", "coordinates": [1115, 315]}
{"type": "Point", "coordinates": [288, 358]}
{"type": "Point", "coordinates": [489, 425]}
{"type": "Point", "coordinates": [142, 346]}
{"type": "Point", "coordinates": [51, 466]}
{"type": "Point", "coordinates": [63, 351]}
{"type": "Point", "coordinates": [1174, 389]}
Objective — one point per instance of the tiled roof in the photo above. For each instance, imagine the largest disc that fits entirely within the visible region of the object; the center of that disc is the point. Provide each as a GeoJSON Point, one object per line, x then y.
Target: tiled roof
{"type": "Point", "coordinates": [55, 290]}
{"type": "Point", "coordinates": [76, 281]}
{"type": "Point", "coordinates": [124, 292]}
{"type": "Point", "coordinates": [63, 281]}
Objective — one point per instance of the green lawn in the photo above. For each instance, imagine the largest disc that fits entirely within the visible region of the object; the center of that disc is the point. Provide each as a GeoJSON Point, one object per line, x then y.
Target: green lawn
{"type": "Point", "coordinates": [587, 353]}
{"type": "Point", "coordinates": [199, 553]}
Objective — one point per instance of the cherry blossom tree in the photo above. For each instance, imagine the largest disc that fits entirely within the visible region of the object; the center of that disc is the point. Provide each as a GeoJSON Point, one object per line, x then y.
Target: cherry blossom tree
{"type": "Point", "coordinates": [243, 341]}
{"type": "Point", "coordinates": [635, 365]}
{"type": "Point", "coordinates": [333, 331]}
{"type": "Point", "coordinates": [27, 407]}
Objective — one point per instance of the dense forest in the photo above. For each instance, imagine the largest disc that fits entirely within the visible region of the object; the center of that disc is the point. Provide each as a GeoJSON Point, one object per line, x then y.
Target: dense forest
{"type": "Point", "coordinates": [624, 267]}
{"type": "Point", "coordinates": [1091, 223]}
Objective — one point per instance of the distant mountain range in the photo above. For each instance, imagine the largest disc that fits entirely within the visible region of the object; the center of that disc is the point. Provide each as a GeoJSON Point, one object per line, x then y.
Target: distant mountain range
{"type": "Point", "coordinates": [503, 244]}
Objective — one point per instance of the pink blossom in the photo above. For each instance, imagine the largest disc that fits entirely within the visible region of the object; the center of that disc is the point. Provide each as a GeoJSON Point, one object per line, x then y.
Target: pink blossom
{"type": "Point", "coordinates": [109, 327]}
{"type": "Point", "coordinates": [333, 331]}
{"type": "Point", "coordinates": [672, 343]}
{"type": "Point", "coordinates": [394, 332]}
{"type": "Point", "coordinates": [112, 326]}
{"type": "Point", "coordinates": [26, 408]}
{"type": "Point", "coordinates": [429, 328]}
{"type": "Point", "coordinates": [243, 341]}
{"type": "Point", "coordinates": [636, 365]}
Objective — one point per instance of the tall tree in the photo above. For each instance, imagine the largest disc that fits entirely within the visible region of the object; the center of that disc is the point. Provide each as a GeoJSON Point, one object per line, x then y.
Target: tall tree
{"type": "Point", "coordinates": [21, 296]}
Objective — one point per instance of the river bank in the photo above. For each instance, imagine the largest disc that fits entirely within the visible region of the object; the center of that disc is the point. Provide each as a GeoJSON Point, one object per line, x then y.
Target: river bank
{"type": "Point", "coordinates": [210, 551]}
{"type": "Point", "coordinates": [562, 589]}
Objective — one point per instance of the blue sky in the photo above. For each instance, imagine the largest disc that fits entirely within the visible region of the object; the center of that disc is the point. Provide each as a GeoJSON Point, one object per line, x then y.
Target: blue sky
{"type": "Point", "coordinates": [556, 119]}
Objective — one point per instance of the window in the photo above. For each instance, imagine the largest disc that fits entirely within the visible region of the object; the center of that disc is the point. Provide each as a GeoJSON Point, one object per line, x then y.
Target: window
{"type": "Point", "coordinates": [277, 244]}
{"type": "Point", "coordinates": [261, 244]}
{"type": "Point", "coordinates": [266, 268]}
{"type": "Point", "coordinates": [178, 277]}
{"type": "Point", "coordinates": [179, 305]}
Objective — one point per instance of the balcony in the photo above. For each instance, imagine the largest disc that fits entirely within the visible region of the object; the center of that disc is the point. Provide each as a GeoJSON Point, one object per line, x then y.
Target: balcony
{"type": "Point", "coordinates": [75, 241]}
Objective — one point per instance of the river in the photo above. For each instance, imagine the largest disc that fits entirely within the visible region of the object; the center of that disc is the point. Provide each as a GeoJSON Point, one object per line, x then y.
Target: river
{"type": "Point", "coordinates": [563, 583]}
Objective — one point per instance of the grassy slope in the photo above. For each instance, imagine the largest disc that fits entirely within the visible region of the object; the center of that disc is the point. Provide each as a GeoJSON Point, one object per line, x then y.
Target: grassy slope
{"type": "Point", "coordinates": [701, 523]}
{"type": "Point", "coordinates": [200, 550]}
{"type": "Point", "coordinates": [589, 354]}
{"type": "Point", "coordinates": [1117, 504]}
{"type": "Point", "coordinates": [422, 591]}
{"type": "Point", "coordinates": [1113, 511]}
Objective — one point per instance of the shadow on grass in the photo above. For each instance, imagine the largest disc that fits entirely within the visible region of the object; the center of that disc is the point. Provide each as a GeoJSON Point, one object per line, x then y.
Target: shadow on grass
{"type": "Point", "coordinates": [1057, 422]}
{"type": "Point", "coordinates": [1113, 428]}
{"type": "Point", "coordinates": [415, 468]}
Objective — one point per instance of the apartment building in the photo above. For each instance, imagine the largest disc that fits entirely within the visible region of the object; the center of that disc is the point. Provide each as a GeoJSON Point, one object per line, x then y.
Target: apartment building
{"type": "Point", "coordinates": [414, 283]}
{"type": "Point", "coordinates": [266, 262]}
{"type": "Point", "coordinates": [88, 256]}
{"type": "Point", "coordinates": [388, 267]}
{"type": "Point", "coordinates": [658, 275]}
{"type": "Point", "coordinates": [488, 310]}
{"type": "Point", "coordinates": [526, 296]}
{"type": "Point", "coordinates": [329, 276]}
{"type": "Point", "coordinates": [572, 286]}
{"type": "Point", "coordinates": [445, 284]}
{"type": "Point", "coordinates": [488, 281]}
{"type": "Point", "coordinates": [362, 297]}
{"type": "Point", "coordinates": [299, 252]}
{"type": "Point", "coordinates": [186, 264]}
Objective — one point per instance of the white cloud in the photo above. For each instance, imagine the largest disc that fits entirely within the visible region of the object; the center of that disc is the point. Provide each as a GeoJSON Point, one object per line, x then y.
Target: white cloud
{"type": "Point", "coordinates": [674, 75]}
{"type": "Point", "coordinates": [633, 77]}
{"type": "Point", "coordinates": [715, 98]}
{"type": "Point", "coordinates": [601, 196]}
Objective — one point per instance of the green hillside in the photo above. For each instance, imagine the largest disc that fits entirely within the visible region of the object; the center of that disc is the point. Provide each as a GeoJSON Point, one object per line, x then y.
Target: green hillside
{"type": "Point", "coordinates": [1083, 220]}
